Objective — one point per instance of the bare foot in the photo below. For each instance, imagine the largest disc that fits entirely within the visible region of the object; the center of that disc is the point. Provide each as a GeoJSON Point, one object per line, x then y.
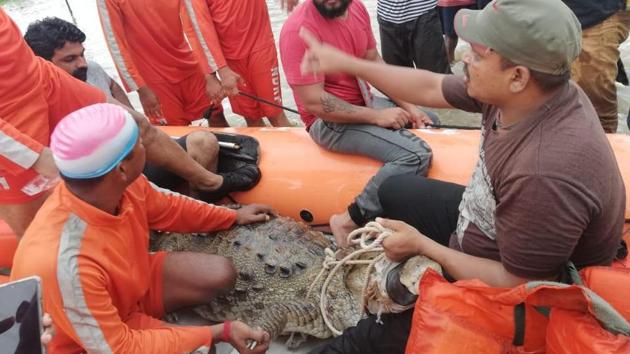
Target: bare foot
{"type": "Point", "coordinates": [341, 226]}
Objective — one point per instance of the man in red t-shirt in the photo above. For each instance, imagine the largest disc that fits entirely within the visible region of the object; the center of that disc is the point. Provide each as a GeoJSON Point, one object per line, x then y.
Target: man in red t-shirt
{"type": "Point", "coordinates": [236, 37]}
{"type": "Point", "coordinates": [338, 111]}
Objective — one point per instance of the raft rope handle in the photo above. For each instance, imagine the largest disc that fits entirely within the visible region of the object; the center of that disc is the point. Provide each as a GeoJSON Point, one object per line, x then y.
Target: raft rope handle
{"type": "Point", "coordinates": [371, 231]}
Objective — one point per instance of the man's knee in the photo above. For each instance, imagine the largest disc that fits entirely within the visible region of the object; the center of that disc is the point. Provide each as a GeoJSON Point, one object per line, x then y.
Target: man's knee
{"type": "Point", "coordinates": [224, 278]}
{"type": "Point", "coordinates": [202, 146]}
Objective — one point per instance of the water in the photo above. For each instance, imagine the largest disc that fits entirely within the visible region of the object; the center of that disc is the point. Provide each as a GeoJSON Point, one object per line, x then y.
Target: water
{"type": "Point", "coordinates": [24, 12]}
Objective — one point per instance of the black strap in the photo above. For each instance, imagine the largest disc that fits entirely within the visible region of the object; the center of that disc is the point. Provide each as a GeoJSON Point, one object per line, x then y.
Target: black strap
{"type": "Point", "coordinates": [519, 325]}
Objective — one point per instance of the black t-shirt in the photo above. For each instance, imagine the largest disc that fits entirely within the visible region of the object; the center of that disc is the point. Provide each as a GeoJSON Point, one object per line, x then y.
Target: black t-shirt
{"type": "Point", "coordinates": [592, 12]}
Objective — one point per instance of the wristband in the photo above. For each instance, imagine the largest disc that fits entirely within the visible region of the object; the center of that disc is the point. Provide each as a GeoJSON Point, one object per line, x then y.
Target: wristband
{"type": "Point", "coordinates": [227, 331]}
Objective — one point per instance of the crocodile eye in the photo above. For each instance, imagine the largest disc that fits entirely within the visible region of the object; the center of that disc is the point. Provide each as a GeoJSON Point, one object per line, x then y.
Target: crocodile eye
{"type": "Point", "coordinates": [300, 265]}
{"type": "Point", "coordinates": [260, 256]}
{"type": "Point", "coordinates": [236, 243]}
{"type": "Point", "coordinates": [285, 272]}
{"type": "Point", "coordinates": [270, 268]}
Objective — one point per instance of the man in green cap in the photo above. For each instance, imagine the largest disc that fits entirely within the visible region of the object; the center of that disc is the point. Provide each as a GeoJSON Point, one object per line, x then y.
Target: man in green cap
{"type": "Point", "coordinates": [546, 189]}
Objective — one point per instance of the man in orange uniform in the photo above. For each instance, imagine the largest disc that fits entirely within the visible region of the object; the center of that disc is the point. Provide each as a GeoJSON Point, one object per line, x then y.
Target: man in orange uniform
{"type": "Point", "coordinates": [89, 244]}
{"type": "Point", "coordinates": [146, 40]}
{"type": "Point", "coordinates": [235, 37]}
{"type": "Point", "coordinates": [35, 96]}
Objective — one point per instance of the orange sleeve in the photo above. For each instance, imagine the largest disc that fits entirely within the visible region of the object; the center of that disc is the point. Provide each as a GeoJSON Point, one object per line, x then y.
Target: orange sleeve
{"type": "Point", "coordinates": [202, 35]}
{"type": "Point", "coordinates": [18, 151]}
{"type": "Point", "coordinates": [170, 211]}
{"type": "Point", "coordinates": [114, 31]}
{"type": "Point", "coordinates": [89, 317]}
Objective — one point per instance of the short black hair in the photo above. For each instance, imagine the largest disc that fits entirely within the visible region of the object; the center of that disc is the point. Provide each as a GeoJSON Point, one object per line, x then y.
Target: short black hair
{"type": "Point", "coordinates": [47, 35]}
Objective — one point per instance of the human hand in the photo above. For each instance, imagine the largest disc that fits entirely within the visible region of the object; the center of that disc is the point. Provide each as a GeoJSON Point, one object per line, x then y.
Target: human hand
{"type": "Point", "coordinates": [289, 5]}
{"type": "Point", "coordinates": [229, 81]}
{"type": "Point", "coordinates": [394, 118]}
{"type": "Point", "coordinates": [419, 119]}
{"type": "Point", "coordinates": [214, 90]}
{"type": "Point", "coordinates": [321, 58]}
{"type": "Point", "coordinates": [241, 336]}
{"type": "Point", "coordinates": [48, 329]}
{"type": "Point", "coordinates": [254, 213]}
{"type": "Point", "coordinates": [150, 102]}
{"type": "Point", "coordinates": [405, 241]}
{"type": "Point", "coordinates": [45, 164]}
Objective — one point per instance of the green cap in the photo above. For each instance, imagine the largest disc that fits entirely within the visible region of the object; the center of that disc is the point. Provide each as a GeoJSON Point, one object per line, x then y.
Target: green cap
{"type": "Point", "coordinates": [543, 35]}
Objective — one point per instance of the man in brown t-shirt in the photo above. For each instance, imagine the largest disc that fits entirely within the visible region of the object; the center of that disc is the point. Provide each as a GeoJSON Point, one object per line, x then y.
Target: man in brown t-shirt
{"type": "Point", "coordinates": [546, 189]}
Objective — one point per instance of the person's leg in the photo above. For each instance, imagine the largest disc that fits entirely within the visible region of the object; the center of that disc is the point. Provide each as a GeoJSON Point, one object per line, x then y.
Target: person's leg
{"type": "Point", "coordinates": [197, 104]}
{"type": "Point", "coordinates": [190, 278]}
{"type": "Point", "coordinates": [370, 337]}
{"type": "Point", "coordinates": [242, 105]}
{"type": "Point", "coordinates": [395, 43]}
{"type": "Point", "coordinates": [203, 147]}
{"type": "Point", "coordinates": [428, 46]}
{"type": "Point", "coordinates": [19, 216]}
{"type": "Point", "coordinates": [430, 206]}
{"type": "Point", "coordinates": [264, 79]}
{"type": "Point", "coordinates": [401, 151]}
{"type": "Point", "coordinates": [171, 102]}
{"type": "Point", "coordinates": [595, 69]}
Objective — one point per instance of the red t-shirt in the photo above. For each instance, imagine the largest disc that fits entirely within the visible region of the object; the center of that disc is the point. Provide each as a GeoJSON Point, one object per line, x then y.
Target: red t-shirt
{"type": "Point", "coordinates": [352, 35]}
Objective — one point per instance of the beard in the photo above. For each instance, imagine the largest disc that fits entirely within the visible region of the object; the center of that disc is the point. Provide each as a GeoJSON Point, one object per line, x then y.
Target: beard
{"type": "Point", "coordinates": [81, 74]}
{"type": "Point", "coordinates": [334, 12]}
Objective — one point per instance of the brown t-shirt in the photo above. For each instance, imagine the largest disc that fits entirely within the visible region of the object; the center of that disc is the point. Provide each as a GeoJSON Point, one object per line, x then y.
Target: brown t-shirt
{"type": "Point", "coordinates": [545, 190]}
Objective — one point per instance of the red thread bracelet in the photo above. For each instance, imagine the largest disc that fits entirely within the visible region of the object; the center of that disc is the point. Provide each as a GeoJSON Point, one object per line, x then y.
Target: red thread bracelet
{"type": "Point", "coordinates": [227, 331]}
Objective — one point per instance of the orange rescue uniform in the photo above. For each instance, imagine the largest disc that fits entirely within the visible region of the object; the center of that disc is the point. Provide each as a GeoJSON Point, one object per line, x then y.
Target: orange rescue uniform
{"type": "Point", "coordinates": [35, 95]}
{"type": "Point", "coordinates": [146, 40]}
{"type": "Point", "coordinates": [100, 284]}
{"type": "Point", "coordinates": [238, 34]}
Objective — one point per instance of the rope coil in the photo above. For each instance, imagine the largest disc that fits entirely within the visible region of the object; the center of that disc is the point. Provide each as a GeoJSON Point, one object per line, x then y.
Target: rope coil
{"type": "Point", "coordinates": [369, 238]}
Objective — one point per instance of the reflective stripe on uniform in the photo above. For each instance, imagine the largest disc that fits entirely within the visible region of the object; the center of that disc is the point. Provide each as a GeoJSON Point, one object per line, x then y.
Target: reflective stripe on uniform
{"type": "Point", "coordinates": [74, 304]}
{"type": "Point", "coordinates": [195, 23]}
{"type": "Point", "coordinates": [113, 46]}
{"type": "Point", "coordinates": [17, 152]}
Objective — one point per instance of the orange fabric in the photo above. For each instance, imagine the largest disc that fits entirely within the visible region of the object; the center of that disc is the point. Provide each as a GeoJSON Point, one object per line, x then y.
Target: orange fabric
{"type": "Point", "coordinates": [153, 304]}
{"type": "Point", "coordinates": [230, 29]}
{"type": "Point", "coordinates": [149, 39]}
{"type": "Point", "coordinates": [612, 284]}
{"type": "Point", "coordinates": [8, 244]}
{"type": "Point", "coordinates": [569, 332]}
{"type": "Point", "coordinates": [35, 96]}
{"type": "Point", "coordinates": [471, 317]}
{"type": "Point", "coordinates": [95, 268]}
{"type": "Point", "coordinates": [261, 78]}
{"type": "Point", "coordinates": [184, 101]}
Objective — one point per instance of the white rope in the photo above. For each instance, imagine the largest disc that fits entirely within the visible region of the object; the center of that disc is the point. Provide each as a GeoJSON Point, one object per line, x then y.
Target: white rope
{"type": "Point", "coordinates": [362, 237]}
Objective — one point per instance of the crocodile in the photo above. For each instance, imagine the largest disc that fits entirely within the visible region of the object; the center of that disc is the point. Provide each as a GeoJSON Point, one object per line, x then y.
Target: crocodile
{"type": "Point", "coordinates": [280, 273]}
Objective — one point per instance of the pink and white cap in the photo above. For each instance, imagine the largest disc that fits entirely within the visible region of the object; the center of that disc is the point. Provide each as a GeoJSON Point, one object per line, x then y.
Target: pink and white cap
{"type": "Point", "coordinates": [91, 141]}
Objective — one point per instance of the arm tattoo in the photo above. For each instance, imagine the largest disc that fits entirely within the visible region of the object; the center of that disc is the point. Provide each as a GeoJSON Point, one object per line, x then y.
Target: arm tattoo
{"type": "Point", "coordinates": [332, 104]}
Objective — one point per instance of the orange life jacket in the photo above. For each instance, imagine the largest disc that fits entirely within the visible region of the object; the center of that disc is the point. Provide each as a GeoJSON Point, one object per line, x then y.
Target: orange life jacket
{"type": "Point", "coordinates": [536, 317]}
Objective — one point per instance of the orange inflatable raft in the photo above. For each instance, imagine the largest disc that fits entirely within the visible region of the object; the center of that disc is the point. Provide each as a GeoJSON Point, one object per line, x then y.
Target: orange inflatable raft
{"type": "Point", "coordinates": [308, 183]}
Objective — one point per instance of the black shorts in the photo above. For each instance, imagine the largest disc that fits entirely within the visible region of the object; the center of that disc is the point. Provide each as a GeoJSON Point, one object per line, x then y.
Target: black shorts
{"type": "Point", "coordinates": [447, 16]}
{"type": "Point", "coordinates": [162, 177]}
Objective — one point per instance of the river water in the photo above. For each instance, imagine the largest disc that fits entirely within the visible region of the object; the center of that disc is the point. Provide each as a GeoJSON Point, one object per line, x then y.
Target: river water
{"type": "Point", "coordinates": [24, 12]}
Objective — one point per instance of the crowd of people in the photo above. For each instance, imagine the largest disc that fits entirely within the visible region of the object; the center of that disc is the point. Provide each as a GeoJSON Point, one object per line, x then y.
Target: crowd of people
{"type": "Point", "coordinates": [546, 189]}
